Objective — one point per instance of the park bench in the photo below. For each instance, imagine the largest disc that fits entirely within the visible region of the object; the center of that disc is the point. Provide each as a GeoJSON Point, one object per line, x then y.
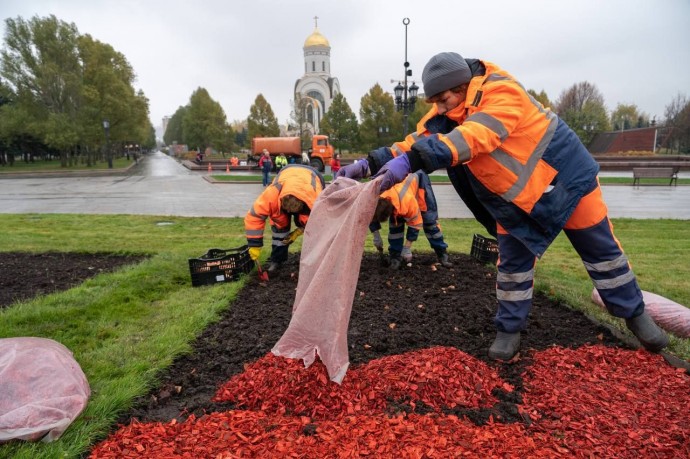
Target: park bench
{"type": "Point", "coordinates": [670, 173]}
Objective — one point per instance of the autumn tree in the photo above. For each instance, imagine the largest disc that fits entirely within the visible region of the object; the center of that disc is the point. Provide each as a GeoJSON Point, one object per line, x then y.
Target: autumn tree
{"type": "Point", "coordinates": [582, 108]}
{"type": "Point", "coordinates": [340, 124]}
{"type": "Point", "coordinates": [380, 125]}
{"type": "Point", "coordinates": [261, 121]}
{"type": "Point", "coordinates": [628, 117]}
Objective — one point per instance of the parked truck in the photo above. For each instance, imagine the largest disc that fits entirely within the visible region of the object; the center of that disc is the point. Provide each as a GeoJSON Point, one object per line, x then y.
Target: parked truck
{"type": "Point", "coordinates": [320, 152]}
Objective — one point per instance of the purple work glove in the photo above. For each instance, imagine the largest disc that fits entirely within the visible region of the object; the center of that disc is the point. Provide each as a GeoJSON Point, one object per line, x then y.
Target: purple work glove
{"type": "Point", "coordinates": [355, 171]}
{"type": "Point", "coordinates": [394, 171]}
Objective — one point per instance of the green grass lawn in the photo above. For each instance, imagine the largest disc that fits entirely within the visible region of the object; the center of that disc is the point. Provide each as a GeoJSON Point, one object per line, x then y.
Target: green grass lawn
{"type": "Point", "coordinates": [124, 327]}
{"type": "Point", "coordinates": [54, 166]}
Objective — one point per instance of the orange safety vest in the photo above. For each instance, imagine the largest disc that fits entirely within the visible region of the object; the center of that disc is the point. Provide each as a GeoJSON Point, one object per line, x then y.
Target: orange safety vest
{"type": "Point", "coordinates": [302, 182]}
{"type": "Point", "coordinates": [408, 202]}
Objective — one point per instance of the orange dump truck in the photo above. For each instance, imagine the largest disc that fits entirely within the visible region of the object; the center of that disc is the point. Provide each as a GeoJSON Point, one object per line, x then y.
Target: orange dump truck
{"type": "Point", "coordinates": [320, 152]}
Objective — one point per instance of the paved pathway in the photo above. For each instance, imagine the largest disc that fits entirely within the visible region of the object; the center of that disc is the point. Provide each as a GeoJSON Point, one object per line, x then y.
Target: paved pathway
{"type": "Point", "coordinates": [159, 185]}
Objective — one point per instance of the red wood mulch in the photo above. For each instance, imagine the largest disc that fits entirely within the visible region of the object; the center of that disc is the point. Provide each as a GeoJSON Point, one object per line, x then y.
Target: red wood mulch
{"type": "Point", "coordinates": [593, 401]}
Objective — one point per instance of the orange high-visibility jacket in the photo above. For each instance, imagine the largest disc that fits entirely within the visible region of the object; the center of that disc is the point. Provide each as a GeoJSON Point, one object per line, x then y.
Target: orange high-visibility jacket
{"type": "Point", "coordinates": [408, 201]}
{"type": "Point", "coordinates": [526, 166]}
{"type": "Point", "coordinates": [296, 180]}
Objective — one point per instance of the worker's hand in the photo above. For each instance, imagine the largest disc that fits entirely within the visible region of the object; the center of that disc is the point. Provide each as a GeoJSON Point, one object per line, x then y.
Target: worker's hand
{"type": "Point", "coordinates": [394, 171]}
{"type": "Point", "coordinates": [378, 242]}
{"type": "Point", "coordinates": [254, 253]}
{"type": "Point", "coordinates": [292, 237]}
{"type": "Point", "coordinates": [406, 254]}
{"type": "Point", "coordinates": [355, 171]}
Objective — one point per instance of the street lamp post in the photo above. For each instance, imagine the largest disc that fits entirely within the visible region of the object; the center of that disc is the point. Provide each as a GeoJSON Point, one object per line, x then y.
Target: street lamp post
{"type": "Point", "coordinates": [406, 97]}
{"type": "Point", "coordinates": [106, 128]}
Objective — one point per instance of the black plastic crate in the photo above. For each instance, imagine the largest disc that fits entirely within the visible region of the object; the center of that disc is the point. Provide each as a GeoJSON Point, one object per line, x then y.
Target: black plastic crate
{"type": "Point", "coordinates": [484, 249]}
{"type": "Point", "coordinates": [220, 265]}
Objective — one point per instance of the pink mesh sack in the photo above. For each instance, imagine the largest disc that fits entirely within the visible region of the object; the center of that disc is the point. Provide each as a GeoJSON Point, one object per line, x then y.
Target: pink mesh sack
{"type": "Point", "coordinates": [329, 267]}
{"type": "Point", "coordinates": [42, 389]}
{"type": "Point", "coordinates": [667, 314]}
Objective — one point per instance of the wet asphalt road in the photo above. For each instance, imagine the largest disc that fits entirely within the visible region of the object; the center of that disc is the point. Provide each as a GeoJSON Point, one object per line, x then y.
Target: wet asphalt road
{"type": "Point", "coordinates": [159, 185]}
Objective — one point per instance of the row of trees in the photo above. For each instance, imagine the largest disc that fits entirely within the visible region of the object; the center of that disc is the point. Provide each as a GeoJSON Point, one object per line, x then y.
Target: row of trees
{"type": "Point", "coordinates": [581, 106]}
{"type": "Point", "coordinates": [58, 87]}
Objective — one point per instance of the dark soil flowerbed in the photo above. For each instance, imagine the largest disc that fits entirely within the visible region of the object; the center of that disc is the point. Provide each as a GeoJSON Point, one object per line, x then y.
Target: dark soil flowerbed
{"type": "Point", "coordinates": [26, 275]}
{"type": "Point", "coordinates": [420, 384]}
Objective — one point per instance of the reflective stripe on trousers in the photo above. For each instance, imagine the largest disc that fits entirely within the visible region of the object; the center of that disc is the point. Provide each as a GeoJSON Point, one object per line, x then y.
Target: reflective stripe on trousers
{"type": "Point", "coordinates": [279, 251]}
{"type": "Point", "coordinates": [600, 252]}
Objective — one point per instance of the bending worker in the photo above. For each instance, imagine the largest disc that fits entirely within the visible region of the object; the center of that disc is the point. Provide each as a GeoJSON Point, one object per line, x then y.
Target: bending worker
{"type": "Point", "coordinates": [411, 201]}
{"type": "Point", "coordinates": [291, 195]}
{"type": "Point", "coordinates": [530, 171]}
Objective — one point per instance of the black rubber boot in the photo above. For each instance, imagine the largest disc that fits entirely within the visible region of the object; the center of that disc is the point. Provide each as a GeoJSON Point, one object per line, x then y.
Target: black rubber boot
{"type": "Point", "coordinates": [395, 262]}
{"type": "Point", "coordinates": [445, 260]}
{"type": "Point", "coordinates": [647, 332]}
{"type": "Point", "coordinates": [505, 346]}
{"type": "Point", "coordinates": [274, 266]}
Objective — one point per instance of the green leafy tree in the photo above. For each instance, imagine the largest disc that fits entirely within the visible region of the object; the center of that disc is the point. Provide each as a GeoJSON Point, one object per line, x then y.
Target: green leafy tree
{"type": "Point", "coordinates": [149, 142]}
{"type": "Point", "coordinates": [204, 123]}
{"type": "Point", "coordinates": [380, 125]}
{"type": "Point", "coordinates": [109, 94]}
{"type": "Point", "coordinates": [261, 121]}
{"type": "Point", "coordinates": [40, 63]}
{"type": "Point", "coordinates": [628, 117]}
{"type": "Point", "coordinates": [65, 85]}
{"type": "Point", "coordinates": [420, 109]}
{"type": "Point", "coordinates": [173, 132]}
{"type": "Point", "coordinates": [541, 97]}
{"type": "Point", "coordinates": [582, 108]}
{"type": "Point", "coordinates": [340, 124]}
{"type": "Point", "coordinates": [239, 129]}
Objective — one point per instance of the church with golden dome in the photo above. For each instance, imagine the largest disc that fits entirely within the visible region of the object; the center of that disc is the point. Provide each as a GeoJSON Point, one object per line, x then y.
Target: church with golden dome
{"type": "Point", "coordinates": [316, 85]}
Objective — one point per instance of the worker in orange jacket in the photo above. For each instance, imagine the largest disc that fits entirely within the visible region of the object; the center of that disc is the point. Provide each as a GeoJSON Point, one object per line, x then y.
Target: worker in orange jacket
{"type": "Point", "coordinates": [530, 174]}
{"type": "Point", "coordinates": [410, 202]}
{"type": "Point", "coordinates": [291, 195]}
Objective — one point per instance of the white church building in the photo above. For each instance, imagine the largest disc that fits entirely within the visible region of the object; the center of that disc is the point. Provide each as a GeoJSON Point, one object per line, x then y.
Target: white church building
{"type": "Point", "coordinates": [316, 85]}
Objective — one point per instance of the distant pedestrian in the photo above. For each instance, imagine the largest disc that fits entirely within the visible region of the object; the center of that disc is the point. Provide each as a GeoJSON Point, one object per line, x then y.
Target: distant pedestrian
{"type": "Point", "coordinates": [266, 165]}
{"type": "Point", "coordinates": [281, 162]}
{"type": "Point", "coordinates": [335, 164]}
{"type": "Point", "coordinates": [305, 158]}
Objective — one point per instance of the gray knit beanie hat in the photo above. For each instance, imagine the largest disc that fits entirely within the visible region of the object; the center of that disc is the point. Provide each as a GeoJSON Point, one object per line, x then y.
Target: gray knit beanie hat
{"type": "Point", "coordinates": [445, 71]}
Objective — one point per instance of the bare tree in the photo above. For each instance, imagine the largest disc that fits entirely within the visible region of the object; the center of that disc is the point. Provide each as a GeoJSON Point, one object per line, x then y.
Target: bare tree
{"type": "Point", "coordinates": [677, 124]}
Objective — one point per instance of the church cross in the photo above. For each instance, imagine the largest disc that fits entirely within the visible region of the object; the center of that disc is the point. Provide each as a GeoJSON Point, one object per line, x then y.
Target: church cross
{"type": "Point", "coordinates": [316, 23]}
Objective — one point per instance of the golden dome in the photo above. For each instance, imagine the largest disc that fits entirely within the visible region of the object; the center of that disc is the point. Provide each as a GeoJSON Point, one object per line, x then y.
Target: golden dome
{"type": "Point", "coordinates": [316, 39]}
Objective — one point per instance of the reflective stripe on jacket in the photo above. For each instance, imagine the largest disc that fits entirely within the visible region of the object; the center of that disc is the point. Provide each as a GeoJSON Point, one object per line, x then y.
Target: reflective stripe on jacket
{"type": "Point", "coordinates": [302, 182]}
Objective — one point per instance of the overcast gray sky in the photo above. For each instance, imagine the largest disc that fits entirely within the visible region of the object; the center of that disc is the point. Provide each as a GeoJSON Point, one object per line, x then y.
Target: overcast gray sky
{"type": "Point", "coordinates": [634, 51]}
